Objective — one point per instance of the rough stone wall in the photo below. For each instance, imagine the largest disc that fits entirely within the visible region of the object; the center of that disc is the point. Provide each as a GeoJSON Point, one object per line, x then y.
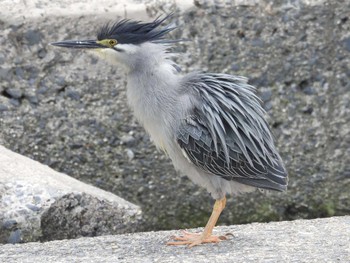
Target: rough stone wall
{"type": "Point", "coordinates": [68, 110]}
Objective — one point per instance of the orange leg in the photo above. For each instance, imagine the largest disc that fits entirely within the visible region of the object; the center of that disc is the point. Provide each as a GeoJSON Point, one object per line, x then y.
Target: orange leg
{"type": "Point", "coordinates": [194, 239]}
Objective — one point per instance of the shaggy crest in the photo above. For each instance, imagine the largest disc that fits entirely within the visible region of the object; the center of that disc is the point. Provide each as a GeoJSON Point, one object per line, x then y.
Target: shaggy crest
{"type": "Point", "coordinates": [136, 32]}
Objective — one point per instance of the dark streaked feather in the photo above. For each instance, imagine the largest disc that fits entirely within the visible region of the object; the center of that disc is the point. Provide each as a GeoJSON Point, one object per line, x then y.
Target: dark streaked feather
{"type": "Point", "coordinates": [135, 32]}
{"type": "Point", "coordinates": [227, 135]}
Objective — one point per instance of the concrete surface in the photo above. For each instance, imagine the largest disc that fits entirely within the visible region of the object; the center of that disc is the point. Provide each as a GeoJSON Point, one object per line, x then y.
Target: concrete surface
{"type": "Point", "coordinates": [319, 240]}
{"type": "Point", "coordinates": [38, 203]}
{"type": "Point", "coordinates": [67, 109]}
{"type": "Point", "coordinates": [107, 8]}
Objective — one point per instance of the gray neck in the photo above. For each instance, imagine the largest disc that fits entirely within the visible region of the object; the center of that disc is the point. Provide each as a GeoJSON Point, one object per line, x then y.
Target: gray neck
{"type": "Point", "coordinates": [153, 91]}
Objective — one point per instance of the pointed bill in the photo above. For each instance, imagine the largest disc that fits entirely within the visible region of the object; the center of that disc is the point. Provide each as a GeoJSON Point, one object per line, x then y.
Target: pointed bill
{"type": "Point", "coordinates": [81, 44]}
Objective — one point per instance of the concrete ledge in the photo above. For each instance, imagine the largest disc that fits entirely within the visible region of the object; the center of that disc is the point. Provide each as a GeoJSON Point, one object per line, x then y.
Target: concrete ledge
{"type": "Point", "coordinates": [38, 203]}
{"type": "Point", "coordinates": [318, 240]}
{"type": "Point", "coordinates": [69, 8]}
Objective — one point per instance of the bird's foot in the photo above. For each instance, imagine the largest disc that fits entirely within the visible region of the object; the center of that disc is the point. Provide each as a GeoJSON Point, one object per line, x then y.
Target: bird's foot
{"type": "Point", "coordinates": [195, 239]}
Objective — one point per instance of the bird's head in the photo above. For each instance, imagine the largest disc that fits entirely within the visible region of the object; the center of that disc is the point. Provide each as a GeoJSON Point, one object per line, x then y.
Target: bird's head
{"type": "Point", "coordinates": [126, 42]}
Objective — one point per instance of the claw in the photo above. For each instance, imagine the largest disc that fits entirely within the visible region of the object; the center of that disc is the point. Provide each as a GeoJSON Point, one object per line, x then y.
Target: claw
{"type": "Point", "coordinates": [223, 237]}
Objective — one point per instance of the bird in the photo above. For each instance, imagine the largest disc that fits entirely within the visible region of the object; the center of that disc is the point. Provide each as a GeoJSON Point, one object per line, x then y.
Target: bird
{"type": "Point", "coordinates": [212, 126]}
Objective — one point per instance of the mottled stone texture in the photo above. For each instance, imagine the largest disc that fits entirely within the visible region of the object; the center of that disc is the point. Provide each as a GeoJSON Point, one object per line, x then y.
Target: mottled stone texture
{"type": "Point", "coordinates": [68, 110]}
{"type": "Point", "coordinates": [80, 215]}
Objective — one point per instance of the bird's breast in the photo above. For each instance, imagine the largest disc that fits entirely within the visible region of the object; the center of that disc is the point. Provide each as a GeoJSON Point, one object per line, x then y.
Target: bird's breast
{"type": "Point", "coordinates": [154, 126]}
{"type": "Point", "coordinates": [150, 115]}
{"type": "Point", "coordinates": [155, 102]}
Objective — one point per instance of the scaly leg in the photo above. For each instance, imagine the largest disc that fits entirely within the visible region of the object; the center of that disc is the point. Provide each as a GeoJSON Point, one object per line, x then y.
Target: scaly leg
{"type": "Point", "coordinates": [194, 239]}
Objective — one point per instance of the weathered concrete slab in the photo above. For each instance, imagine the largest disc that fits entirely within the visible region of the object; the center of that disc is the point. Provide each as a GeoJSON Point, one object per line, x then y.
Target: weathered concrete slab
{"type": "Point", "coordinates": [38, 203]}
{"type": "Point", "coordinates": [319, 240]}
{"type": "Point", "coordinates": [70, 8]}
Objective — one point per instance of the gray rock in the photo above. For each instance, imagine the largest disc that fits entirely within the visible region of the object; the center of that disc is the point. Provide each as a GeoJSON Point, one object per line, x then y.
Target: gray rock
{"type": "Point", "coordinates": [30, 95]}
{"type": "Point", "coordinates": [4, 73]}
{"type": "Point", "coordinates": [265, 94]}
{"type": "Point", "coordinates": [15, 102]}
{"type": "Point", "coordinates": [319, 240]}
{"type": "Point", "coordinates": [33, 37]}
{"type": "Point", "coordinates": [2, 61]}
{"type": "Point", "coordinates": [346, 43]}
{"type": "Point", "coordinates": [3, 107]}
{"type": "Point", "coordinates": [127, 139]}
{"type": "Point", "coordinates": [15, 236]}
{"type": "Point", "coordinates": [72, 94]}
{"type": "Point", "coordinates": [14, 93]}
{"type": "Point", "coordinates": [130, 154]}
{"type": "Point", "coordinates": [38, 203]}
{"type": "Point", "coordinates": [19, 72]}
{"type": "Point", "coordinates": [42, 53]}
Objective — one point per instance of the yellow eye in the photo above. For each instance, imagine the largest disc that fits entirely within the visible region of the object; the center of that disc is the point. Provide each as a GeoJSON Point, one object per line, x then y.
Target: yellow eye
{"type": "Point", "coordinates": [108, 42]}
{"type": "Point", "coordinates": [112, 42]}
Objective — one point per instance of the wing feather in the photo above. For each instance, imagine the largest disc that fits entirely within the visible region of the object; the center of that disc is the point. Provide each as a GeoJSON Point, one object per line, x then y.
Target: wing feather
{"type": "Point", "coordinates": [226, 133]}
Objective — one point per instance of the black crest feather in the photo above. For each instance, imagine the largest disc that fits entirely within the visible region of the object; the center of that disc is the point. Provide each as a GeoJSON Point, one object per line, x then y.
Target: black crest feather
{"type": "Point", "coordinates": [135, 32]}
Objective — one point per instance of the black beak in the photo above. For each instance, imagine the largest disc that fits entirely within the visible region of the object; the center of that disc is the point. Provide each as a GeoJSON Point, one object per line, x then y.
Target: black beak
{"type": "Point", "coordinates": [83, 44]}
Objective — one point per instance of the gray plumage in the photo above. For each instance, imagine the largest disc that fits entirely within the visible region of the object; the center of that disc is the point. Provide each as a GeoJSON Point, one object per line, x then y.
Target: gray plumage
{"type": "Point", "coordinates": [212, 126]}
{"type": "Point", "coordinates": [227, 134]}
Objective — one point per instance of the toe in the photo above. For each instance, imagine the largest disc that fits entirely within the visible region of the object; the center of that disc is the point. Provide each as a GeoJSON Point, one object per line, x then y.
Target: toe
{"type": "Point", "coordinates": [181, 238]}
{"type": "Point", "coordinates": [178, 243]}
